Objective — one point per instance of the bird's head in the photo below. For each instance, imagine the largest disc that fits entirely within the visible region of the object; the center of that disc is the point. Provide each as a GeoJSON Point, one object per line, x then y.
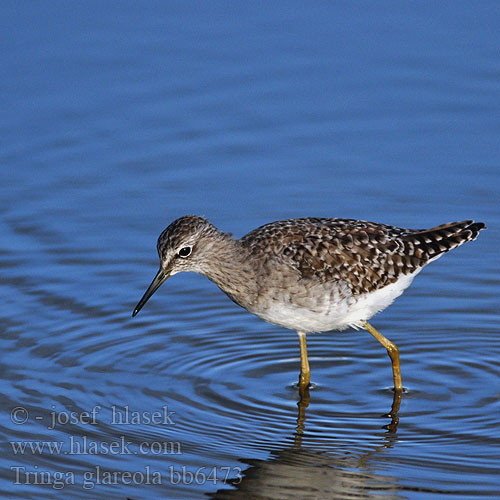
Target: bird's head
{"type": "Point", "coordinates": [185, 245]}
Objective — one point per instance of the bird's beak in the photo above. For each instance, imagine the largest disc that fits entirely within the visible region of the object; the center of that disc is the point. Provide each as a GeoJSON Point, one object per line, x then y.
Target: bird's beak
{"type": "Point", "coordinates": [156, 283]}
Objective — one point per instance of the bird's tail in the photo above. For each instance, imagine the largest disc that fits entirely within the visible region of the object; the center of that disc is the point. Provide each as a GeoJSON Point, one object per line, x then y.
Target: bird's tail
{"type": "Point", "coordinates": [429, 244]}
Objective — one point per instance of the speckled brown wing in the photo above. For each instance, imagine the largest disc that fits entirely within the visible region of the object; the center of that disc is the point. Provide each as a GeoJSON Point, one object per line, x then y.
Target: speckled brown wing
{"type": "Point", "coordinates": [363, 255]}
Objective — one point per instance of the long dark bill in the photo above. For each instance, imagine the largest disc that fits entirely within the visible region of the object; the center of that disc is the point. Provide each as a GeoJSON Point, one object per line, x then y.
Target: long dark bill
{"type": "Point", "coordinates": [155, 284]}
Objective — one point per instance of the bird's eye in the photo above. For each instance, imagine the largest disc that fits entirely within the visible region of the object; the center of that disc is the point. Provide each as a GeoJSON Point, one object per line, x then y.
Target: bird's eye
{"type": "Point", "coordinates": [184, 252]}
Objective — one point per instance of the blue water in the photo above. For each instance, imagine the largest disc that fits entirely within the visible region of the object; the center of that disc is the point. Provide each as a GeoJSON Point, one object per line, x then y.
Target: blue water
{"type": "Point", "coordinates": [118, 117]}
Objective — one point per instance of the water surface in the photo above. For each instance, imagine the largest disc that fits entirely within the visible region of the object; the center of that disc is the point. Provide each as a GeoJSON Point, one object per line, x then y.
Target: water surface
{"type": "Point", "coordinates": [117, 118]}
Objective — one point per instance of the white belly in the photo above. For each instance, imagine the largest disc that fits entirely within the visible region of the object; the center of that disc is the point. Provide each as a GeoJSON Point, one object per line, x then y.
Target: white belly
{"type": "Point", "coordinates": [335, 313]}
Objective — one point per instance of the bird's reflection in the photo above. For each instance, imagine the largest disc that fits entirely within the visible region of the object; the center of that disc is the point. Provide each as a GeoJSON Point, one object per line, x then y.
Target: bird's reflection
{"type": "Point", "coordinates": [302, 470]}
{"type": "Point", "coordinates": [305, 399]}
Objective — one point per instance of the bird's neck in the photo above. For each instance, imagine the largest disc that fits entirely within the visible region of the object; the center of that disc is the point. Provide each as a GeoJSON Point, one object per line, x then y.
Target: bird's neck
{"type": "Point", "coordinates": [230, 268]}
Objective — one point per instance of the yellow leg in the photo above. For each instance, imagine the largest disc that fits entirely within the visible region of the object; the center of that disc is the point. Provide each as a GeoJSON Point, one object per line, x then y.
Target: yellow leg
{"type": "Point", "coordinates": [393, 352]}
{"type": "Point", "coordinates": [305, 372]}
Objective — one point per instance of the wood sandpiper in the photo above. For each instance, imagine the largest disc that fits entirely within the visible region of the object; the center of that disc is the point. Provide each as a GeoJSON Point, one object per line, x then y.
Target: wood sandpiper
{"type": "Point", "coordinates": [309, 274]}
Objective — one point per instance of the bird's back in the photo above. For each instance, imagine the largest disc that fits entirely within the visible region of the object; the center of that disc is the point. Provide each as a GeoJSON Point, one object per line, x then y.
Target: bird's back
{"type": "Point", "coordinates": [366, 256]}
